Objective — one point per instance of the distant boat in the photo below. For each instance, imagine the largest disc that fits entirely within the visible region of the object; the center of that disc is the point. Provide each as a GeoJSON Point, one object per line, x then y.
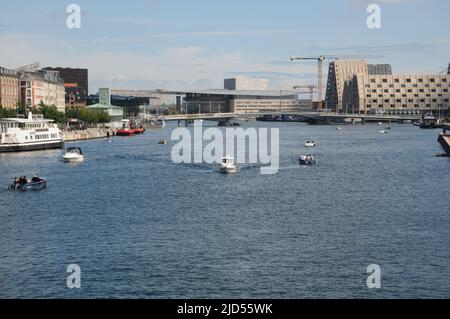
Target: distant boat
{"type": "Point", "coordinates": [23, 184]}
{"type": "Point", "coordinates": [73, 155]}
{"type": "Point", "coordinates": [227, 166]}
{"type": "Point", "coordinates": [306, 160]}
{"type": "Point", "coordinates": [339, 128]}
{"type": "Point", "coordinates": [310, 144]}
{"type": "Point", "coordinates": [163, 142]}
{"type": "Point", "coordinates": [383, 132]}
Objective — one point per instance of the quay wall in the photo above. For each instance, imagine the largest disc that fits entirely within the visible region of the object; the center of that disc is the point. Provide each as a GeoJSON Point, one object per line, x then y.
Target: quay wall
{"type": "Point", "coordinates": [89, 134]}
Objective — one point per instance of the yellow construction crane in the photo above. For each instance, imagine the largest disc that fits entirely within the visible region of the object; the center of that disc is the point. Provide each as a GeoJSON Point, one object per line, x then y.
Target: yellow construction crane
{"type": "Point", "coordinates": [311, 93]}
{"type": "Point", "coordinates": [320, 59]}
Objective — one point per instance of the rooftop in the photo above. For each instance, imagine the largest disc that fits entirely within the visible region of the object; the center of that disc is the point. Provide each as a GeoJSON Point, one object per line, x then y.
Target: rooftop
{"type": "Point", "coordinates": [104, 106]}
{"type": "Point", "coordinates": [252, 93]}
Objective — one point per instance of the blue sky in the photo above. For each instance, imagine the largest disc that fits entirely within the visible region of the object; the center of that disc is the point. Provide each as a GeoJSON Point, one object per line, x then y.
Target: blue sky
{"type": "Point", "coordinates": [180, 44]}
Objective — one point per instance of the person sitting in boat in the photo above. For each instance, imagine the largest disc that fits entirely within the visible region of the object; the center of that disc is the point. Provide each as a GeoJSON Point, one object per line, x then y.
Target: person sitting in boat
{"type": "Point", "coordinates": [23, 180]}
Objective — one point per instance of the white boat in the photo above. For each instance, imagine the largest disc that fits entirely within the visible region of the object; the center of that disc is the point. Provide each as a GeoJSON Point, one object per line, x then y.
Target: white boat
{"type": "Point", "coordinates": [305, 160]}
{"type": "Point", "coordinates": [339, 128]}
{"type": "Point", "coordinates": [30, 134]}
{"type": "Point", "coordinates": [227, 166]}
{"type": "Point", "coordinates": [73, 155]}
{"type": "Point", "coordinates": [310, 144]}
{"type": "Point", "coordinates": [380, 123]}
{"type": "Point", "coordinates": [383, 132]}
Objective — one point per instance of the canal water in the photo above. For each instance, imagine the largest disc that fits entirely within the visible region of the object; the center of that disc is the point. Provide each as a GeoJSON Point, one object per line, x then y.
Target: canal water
{"type": "Point", "coordinates": [140, 226]}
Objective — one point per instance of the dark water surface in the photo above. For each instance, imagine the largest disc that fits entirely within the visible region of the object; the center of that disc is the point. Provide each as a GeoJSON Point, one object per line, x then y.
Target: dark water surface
{"type": "Point", "coordinates": [141, 226]}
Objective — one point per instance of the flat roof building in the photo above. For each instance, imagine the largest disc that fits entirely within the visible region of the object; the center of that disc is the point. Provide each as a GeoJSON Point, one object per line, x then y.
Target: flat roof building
{"type": "Point", "coordinates": [245, 83]}
{"type": "Point", "coordinates": [241, 101]}
{"type": "Point", "coordinates": [73, 76]}
{"type": "Point", "coordinates": [398, 94]}
{"type": "Point", "coordinates": [76, 83]}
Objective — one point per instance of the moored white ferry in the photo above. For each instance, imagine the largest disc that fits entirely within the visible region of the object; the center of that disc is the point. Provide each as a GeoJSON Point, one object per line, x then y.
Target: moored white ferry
{"type": "Point", "coordinates": [30, 134]}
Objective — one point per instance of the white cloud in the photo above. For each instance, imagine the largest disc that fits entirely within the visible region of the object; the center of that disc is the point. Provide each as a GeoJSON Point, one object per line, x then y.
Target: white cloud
{"type": "Point", "coordinates": [172, 68]}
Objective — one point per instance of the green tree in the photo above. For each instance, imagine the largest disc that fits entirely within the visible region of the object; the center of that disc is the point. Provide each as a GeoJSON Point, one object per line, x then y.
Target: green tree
{"type": "Point", "coordinates": [52, 113]}
{"type": "Point", "coordinates": [5, 113]}
{"type": "Point", "coordinates": [88, 116]}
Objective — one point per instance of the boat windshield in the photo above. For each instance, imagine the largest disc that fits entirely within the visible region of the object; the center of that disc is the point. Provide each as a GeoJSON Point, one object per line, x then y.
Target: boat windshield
{"type": "Point", "coordinates": [74, 150]}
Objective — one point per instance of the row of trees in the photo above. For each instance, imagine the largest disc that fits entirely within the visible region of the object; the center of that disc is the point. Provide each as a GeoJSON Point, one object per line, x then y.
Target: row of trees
{"type": "Point", "coordinates": [4, 113]}
{"type": "Point", "coordinates": [51, 112]}
{"type": "Point", "coordinates": [88, 116]}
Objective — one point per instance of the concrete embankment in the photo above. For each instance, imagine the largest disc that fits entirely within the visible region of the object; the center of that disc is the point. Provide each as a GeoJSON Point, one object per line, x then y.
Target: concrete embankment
{"type": "Point", "coordinates": [89, 134]}
{"type": "Point", "coordinates": [444, 139]}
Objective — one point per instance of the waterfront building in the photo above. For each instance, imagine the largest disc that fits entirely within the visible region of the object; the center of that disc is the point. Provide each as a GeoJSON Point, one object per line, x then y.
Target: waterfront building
{"type": "Point", "coordinates": [246, 84]}
{"type": "Point", "coordinates": [155, 98]}
{"type": "Point", "coordinates": [241, 101]}
{"type": "Point", "coordinates": [42, 86]}
{"type": "Point", "coordinates": [398, 94]}
{"type": "Point", "coordinates": [9, 89]}
{"type": "Point", "coordinates": [76, 83]}
{"type": "Point", "coordinates": [115, 112]}
{"type": "Point", "coordinates": [338, 74]}
{"type": "Point", "coordinates": [73, 76]}
{"type": "Point", "coordinates": [76, 96]}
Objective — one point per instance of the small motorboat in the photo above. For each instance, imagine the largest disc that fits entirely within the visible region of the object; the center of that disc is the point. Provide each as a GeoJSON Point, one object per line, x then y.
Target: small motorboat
{"type": "Point", "coordinates": [383, 132]}
{"type": "Point", "coordinates": [227, 166]}
{"type": "Point", "coordinates": [339, 128]}
{"type": "Point", "coordinates": [163, 142]}
{"type": "Point", "coordinates": [22, 184]}
{"type": "Point", "coordinates": [380, 123]}
{"type": "Point", "coordinates": [310, 144]}
{"type": "Point", "coordinates": [73, 155]}
{"type": "Point", "coordinates": [306, 160]}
